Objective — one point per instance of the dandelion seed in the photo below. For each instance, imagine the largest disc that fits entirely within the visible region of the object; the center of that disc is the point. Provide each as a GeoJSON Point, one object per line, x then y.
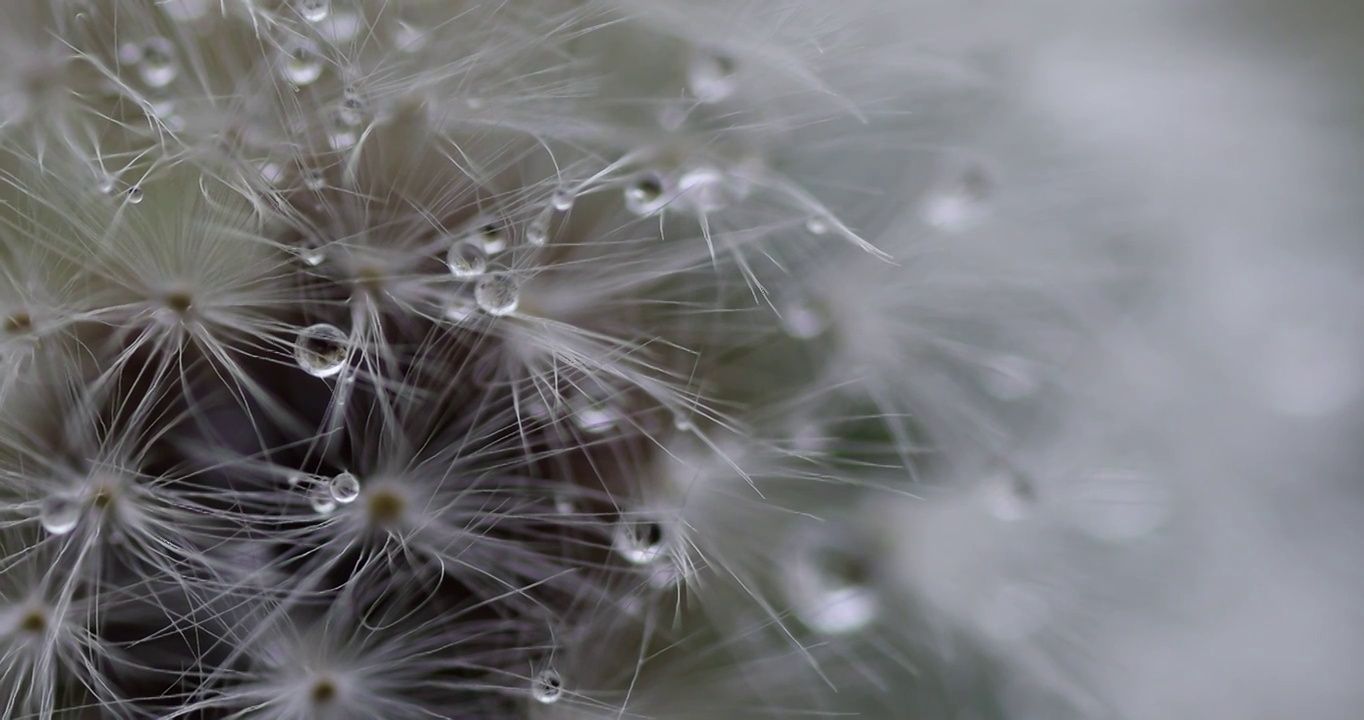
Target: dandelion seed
{"type": "Point", "coordinates": [321, 350]}
{"type": "Point", "coordinates": [547, 686]}
{"type": "Point", "coordinates": [314, 10]}
{"type": "Point", "coordinates": [645, 195]}
{"type": "Point", "coordinates": [497, 294]}
{"type": "Point", "coordinates": [466, 260]}
{"type": "Point", "coordinates": [345, 488]}
{"type": "Point", "coordinates": [59, 514]}
{"type": "Point", "coordinates": [408, 38]}
{"type": "Point", "coordinates": [302, 62]}
{"type": "Point", "coordinates": [639, 542]}
{"type": "Point", "coordinates": [710, 76]}
{"type": "Point", "coordinates": [157, 66]}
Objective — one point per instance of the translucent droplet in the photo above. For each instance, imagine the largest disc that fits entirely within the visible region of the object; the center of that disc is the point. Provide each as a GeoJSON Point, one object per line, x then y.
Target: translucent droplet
{"type": "Point", "coordinates": [707, 189]}
{"type": "Point", "coordinates": [311, 256]}
{"type": "Point", "coordinates": [497, 294]}
{"type": "Point", "coordinates": [302, 62]}
{"type": "Point", "coordinates": [345, 488]}
{"type": "Point", "coordinates": [960, 203]}
{"type": "Point", "coordinates": [537, 230]}
{"type": "Point", "coordinates": [594, 415]}
{"type": "Point", "coordinates": [802, 321]}
{"type": "Point", "coordinates": [297, 479]}
{"type": "Point", "coordinates": [563, 504]}
{"type": "Point", "coordinates": [562, 199]}
{"type": "Point", "coordinates": [710, 76]}
{"type": "Point", "coordinates": [817, 225]}
{"type": "Point", "coordinates": [313, 10]}
{"type": "Point", "coordinates": [351, 110]}
{"type": "Point", "coordinates": [314, 180]}
{"type": "Point", "coordinates": [59, 514]}
{"type": "Point", "coordinates": [645, 195]}
{"type": "Point", "coordinates": [408, 38]}
{"type": "Point", "coordinates": [1009, 378]}
{"type": "Point", "coordinates": [107, 185]}
{"type": "Point", "coordinates": [135, 195]}
{"type": "Point", "coordinates": [460, 310]}
{"type": "Point", "coordinates": [1119, 505]}
{"type": "Point", "coordinates": [466, 259]}
{"type": "Point", "coordinates": [1008, 496]}
{"type": "Point", "coordinates": [158, 66]}
{"type": "Point", "coordinates": [493, 237]}
{"type": "Point", "coordinates": [639, 541]}
{"type": "Point", "coordinates": [547, 686]}
{"type": "Point", "coordinates": [321, 350]}
{"type": "Point", "coordinates": [830, 586]}
{"type": "Point", "coordinates": [320, 497]}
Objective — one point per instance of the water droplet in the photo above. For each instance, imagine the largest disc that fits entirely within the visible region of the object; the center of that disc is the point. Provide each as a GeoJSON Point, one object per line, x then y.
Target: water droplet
{"type": "Point", "coordinates": [129, 54]}
{"type": "Point", "coordinates": [1008, 496]}
{"type": "Point", "coordinates": [547, 686]}
{"type": "Point", "coordinates": [466, 260]}
{"type": "Point", "coordinates": [710, 76]}
{"type": "Point", "coordinates": [817, 225]}
{"type": "Point", "coordinates": [830, 586]}
{"type": "Point", "coordinates": [311, 256]}
{"type": "Point", "coordinates": [320, 497]}
{"type": "Point", "coordinates": [107, 185]}
{"type": "Point", "coordinates": [59, 514]}
{"type": "Point", "coordinates": [497, 294]}
{"type": "Point", "coordinates": [345, 488]}
{"type": "Point", "coordinates": [1009, 378]}
{"type": "Point", "coordinates": [314, 180]}
{"type": "Point", "coordinates": [537, 230]}
{"type": "Point", "coordinates": [802, 321]}
{"type": "Point", "coordinates": [645, 195]}
{"type": "Point", "coordinates": [562, 199]}
{"type": "Point", "coordinates": [296, 479]}
{"type": "Point", "coordinates": [314, 10]}
{"type": "Point", "coordinates": [1013, 613]}
{"type": "Point", "coordinates": [563, 504]}
{"type": "Point", "coordinates": [135, 195]}
{"type": "Point", "coordinates": [351, 110]}
{"type": "Point", "coordinates": [321, 350]}
{"type": "Point", "coordinates": [460, 310]}
{"type": "Point", "coordinates": [594, 415]}
{"type": "Point", "coordinates": [707, 189]}
{"type": "Point", "coordinates": [1120, 505]}
{"type": "Point", "coordinates": [408, 38]}
{"type": "Point", "coordinates": [492, 236]}
{"type": "Point", "coordinates": [271, 173]}
{"type": "Point", "coordinates": [960, 203]}
{"type": "Point", "coordinates": [639, 542]}
{"type": "Point", "coordinates": [158, 66]}
{"type": "Point", "coordinates": [302, 62]}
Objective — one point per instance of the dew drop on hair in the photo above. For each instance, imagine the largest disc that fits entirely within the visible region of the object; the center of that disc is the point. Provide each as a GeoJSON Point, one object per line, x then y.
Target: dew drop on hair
{"type": "Point", "coordinates": [547, 686]}
{"type": "Point", "coordinates": [59, 514]}
{"type": "Point", "coordinates": [345, 488]}
{"type": "Point", "coordinates": [497, 294]}
{"type": "Point", "coordinates": [302, 63]}
{"type": "Point", "coordinates": [645, 195]}
{"type": "Point", "coordinates": [466, 259]}
{"type": "Point", "coordinates": [157, 66]}
{"type": "Point", "coordinates": [313, 11]}
{"type": "Point", "coordinates": [638, 541]}
{"type": "Point", "coordinates": [321, 350]}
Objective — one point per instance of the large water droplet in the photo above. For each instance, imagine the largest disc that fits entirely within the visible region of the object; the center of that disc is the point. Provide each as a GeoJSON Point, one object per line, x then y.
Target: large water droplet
{"type": "Point", "coordinates": [830, 585]}
{"type": "Point", "coordinates": [547, 686]}
{"type": "Point", "coordinates": [639, 541]}
{"type": "Point", "coordinates": [302, 62]}
{"type": "Point", "coordinates": [321, 350]}
{"type": "Point", "coordinates": [320, 497]}
{"type": "Point", "coordinates": [59, 514]}
{"type": "Point", "coordinates": [1119, 505]}
{"type": "Point", "coordinates": [645, 195]}
{"type": "Point", "coordinates": [135, 195]}
{"type": "Point", "coordinates": [537, 230]}
{"type": "Point", "coordinates": [345, 488]}
{"type": "Point", "coordinates": [562, 199]}
{"type": "Point", "coordinates": [491, 235]}
{"type": "Point", "coordinates": [498, 294]}
{"type": "Point", "coordinates": [594, 413]}
{"type": "Point", "coordinates": [961, 202]}
{"type": "Point", "coordinates": [158, 66]}
{"type": "Point", "coordinates": [710, 76]}
{"type": "Point", "coordinates": [313, 10]}
{"type": "Point", "coordinates": [351, 110]}
{"type": "Point", "coordinates": [466, 259]}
